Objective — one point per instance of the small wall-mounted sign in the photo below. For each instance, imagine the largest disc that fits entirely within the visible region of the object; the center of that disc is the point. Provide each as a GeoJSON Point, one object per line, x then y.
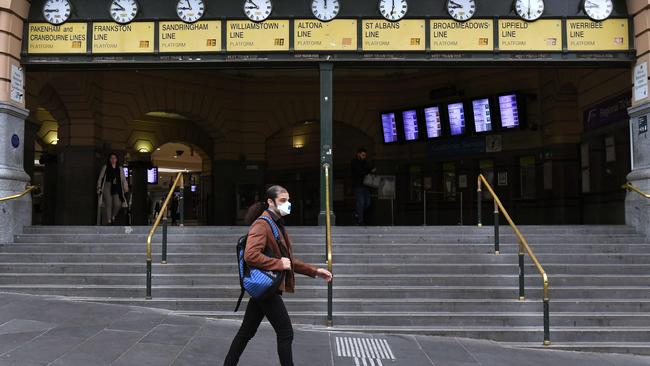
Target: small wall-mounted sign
{"type": "Point", "coordinates": [643, 125]}
{"type": "Point", "coordinates": [15, 141]}
{"type": "Point", "coordinates": [502, 179]}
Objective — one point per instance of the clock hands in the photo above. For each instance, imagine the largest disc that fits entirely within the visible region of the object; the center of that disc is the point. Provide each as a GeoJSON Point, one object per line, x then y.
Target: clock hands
{"type": "Point", "coordinates": [254, 6]}
{"type": "Point", "coordinates": [393, 9]}
{"type": "Point", "coordinates": [51, 10]}
{"type": "Point", "coordinates": [455, 5]}
{"type": "Point", "coordinates": [121, 7]}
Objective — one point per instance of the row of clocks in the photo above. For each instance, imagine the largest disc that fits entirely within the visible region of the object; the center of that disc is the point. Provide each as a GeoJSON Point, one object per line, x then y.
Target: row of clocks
{"type": "Point", "coordinates": [124, 11]}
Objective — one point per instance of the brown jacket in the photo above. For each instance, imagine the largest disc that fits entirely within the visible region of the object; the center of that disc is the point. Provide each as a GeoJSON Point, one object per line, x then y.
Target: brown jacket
{"type": "Point", "coordinates": [260, 236]}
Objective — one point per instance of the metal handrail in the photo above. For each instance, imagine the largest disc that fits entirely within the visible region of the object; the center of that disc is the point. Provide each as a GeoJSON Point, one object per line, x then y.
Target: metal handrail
{"type": "Point", "coordinates": [631, 187]}
{"type": "Point", "coordinates": [162, 212]}
{"type": "Point", "coordinates": [523, 246]}
{"type": "Point", "coordinates": [328, 240]}
{"type": "Point", "coordinates": [27, 190]}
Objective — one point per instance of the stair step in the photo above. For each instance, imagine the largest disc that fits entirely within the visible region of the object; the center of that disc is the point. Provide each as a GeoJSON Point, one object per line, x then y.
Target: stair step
{"type": "Point", "coordinates": [419, 280]}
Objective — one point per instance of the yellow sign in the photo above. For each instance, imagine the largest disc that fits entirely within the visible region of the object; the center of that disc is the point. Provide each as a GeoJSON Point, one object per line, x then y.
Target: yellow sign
{"type": "Point", "coordinates": [184, 37]}
{"type": "Point", "coordinates": [472, 35]}
{"type": "Point", "coordinates": [270, 35]}
{"type": "Point", "coordinates": [540, 35]}
{"type": "Point", "coordinates": [48, 38]}
{"type": "Point", "coordinates": [314, 35]}
{"type": "Point", "coordinates": [135, 37]}
{"type": "Point", "coordinates": [587, 35]}
{"type": "Point", "coordinates": [405, 35]}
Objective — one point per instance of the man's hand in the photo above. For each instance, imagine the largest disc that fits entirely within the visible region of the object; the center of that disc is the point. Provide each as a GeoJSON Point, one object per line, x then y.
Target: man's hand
{"type": "Point", "coordinates": [286, 263]}
{"type": "Point", "coordinates": [324, 274]}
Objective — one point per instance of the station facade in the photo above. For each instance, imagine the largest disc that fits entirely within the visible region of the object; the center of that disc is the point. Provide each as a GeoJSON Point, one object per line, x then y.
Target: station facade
{"type": "Point", "coordinates": [243, 104]}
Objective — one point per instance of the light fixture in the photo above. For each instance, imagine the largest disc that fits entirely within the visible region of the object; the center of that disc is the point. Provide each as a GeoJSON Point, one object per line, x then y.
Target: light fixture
{"type": "Point", "coordinates": [143, 146]}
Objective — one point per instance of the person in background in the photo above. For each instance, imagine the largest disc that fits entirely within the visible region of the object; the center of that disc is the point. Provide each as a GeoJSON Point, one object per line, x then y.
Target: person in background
{"type": "Point", "coordinates": [112, 186]}
{"type": "Point", "coordinates": [360, 168]}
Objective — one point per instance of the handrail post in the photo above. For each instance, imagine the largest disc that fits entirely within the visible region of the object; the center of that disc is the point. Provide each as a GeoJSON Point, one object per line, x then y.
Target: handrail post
{"type": "Point", "coordinates": [522, 273]}
{"type": "Point", "coordinates": [461, 208]}
{"type": "Point", "coordinates": [164, 240]}
{"type": "Point", "coordinates": [148, 297]}
{"type": "Point", "coordinates": [547, 321]}
{"type": "Point", "coordinates": [496, 229]}
{"type": "Point", "coordinates": [479, 200]}
{"type": "Point", "coordinates": [328, 239]}
{"type": "Point", "coordinates": [181, 199]}
{"type": "Point", "coordinates": [162, 214]}
{"type": "Point", "coordinates": [424, 209]}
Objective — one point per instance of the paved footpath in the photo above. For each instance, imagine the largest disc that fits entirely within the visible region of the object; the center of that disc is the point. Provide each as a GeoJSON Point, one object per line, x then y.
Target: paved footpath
{"type": "Point", "coordinates": [42, 330]}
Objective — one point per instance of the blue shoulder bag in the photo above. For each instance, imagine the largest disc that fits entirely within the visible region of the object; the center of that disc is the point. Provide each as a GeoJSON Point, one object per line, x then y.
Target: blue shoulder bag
{"type": "Point", "coordinates": [260, 284]}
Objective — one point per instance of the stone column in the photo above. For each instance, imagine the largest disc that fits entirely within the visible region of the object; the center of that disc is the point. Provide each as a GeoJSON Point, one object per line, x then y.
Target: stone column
{"type": "Point", "coordinates": [637, 208]}
{"type": "Point", "coordinates": [14, 215]}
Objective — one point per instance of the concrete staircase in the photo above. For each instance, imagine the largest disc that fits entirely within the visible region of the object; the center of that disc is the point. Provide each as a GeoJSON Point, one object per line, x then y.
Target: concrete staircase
{"type": "Point", "coordinates": [434, 280]}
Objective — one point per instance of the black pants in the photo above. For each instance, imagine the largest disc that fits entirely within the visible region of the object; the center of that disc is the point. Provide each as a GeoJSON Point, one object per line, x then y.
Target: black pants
{"type": "Point", "coordinates": [275, 311]}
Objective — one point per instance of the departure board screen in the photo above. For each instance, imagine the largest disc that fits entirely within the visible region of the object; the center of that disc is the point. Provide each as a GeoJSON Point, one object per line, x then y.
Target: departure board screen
{"type": "Point", "coordinates": [152, 175]}
{"type": "Point", "coordinates": [456, 118]}
{"type": "Point", "coordinates": [390, 127]}
{"type": "Point", "coordinates": [411, 130]}
{"type": "Point", "coordinates": [482, 115]}
{"type": "Point", "coordinates": [432, 120]}
{"type": "Point", "coordinates": [509, 108]}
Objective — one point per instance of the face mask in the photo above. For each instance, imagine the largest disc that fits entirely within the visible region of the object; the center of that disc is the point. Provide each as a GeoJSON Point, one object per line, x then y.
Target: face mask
{"type": "Point", "coordinates": [284, 208]}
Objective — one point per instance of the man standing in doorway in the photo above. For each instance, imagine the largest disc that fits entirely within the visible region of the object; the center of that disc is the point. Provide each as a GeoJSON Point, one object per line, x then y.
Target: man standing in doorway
{"type": "Point", "coordinates": [360, 168]}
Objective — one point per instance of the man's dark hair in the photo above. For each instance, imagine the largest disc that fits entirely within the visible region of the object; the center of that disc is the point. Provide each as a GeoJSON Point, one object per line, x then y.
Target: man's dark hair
{"type": "Point", "coordinates": [258, 208]}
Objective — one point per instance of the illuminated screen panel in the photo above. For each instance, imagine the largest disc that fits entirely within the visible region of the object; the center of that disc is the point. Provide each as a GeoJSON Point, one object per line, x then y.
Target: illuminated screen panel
{"type": "Point", "coordinates": [456, 118]}
{"type": "Point", "coordinates": [509, 109]}
{"type": "Point", "coordinates": [411, 130]}
{"type": "Point", "coordinates": [390, 127]}
{"type": "Point", "coordinates": [482, 115]}
{"type": "Point", "coordinates": [432, 120]}
{"type": "Point", "coordinates": [152, 175]}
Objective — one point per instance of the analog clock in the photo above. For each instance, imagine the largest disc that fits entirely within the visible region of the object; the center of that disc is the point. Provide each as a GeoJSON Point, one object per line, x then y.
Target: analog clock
{"type": "Point", "coordinates": [258, 10]}
{"type": "Point", "coordinates": [461, 10]}
{"type": "Point", "coordinates": [325, 10]}
{"type": "Point", "coordinates": [598, 9]}
{"type": "Point", "coordinates": [124, 11]}
{"type": "Point", "coordinates": [393, 10]}
{"type": "Point", "coordinates": [57, 11]}
{"type": "Point", "coordinates": [529, 9]}
{"type": "Point", "coordinates": [190, 11]}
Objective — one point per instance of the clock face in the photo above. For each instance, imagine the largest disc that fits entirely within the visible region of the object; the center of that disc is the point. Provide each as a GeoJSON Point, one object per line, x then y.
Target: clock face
{"type": "Point", "coordinates": [530, 9]}
{"type": "Point", "coordinates": [598, 9]}
{"type": "Point", "coordinates": [393, 10]}
{"type": "Point", "coordinates": [124, 11]}
{"type": "Point", "coordinates": [325, 10]}
{"type": "Point", "coordinates": [461, 10]}
{"type": "Point", "coordinates": [258, 10]}
{"type": "Point", "coordinates": [190, 11]}
{"type": "Point", "coordinates": [57, 11]}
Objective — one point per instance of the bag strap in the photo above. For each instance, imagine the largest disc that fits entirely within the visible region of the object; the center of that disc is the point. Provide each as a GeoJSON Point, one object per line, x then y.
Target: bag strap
{"type": "Point", "coordinates": [241, 296]}
{"type": "Point", "coordinates": [276, 232]}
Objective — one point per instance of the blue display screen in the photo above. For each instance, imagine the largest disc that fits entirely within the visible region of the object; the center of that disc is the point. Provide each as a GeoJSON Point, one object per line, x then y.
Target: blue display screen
{"type": "Point", "coordinates": [410, 119]}
{"type": "Point", "coordinates": [432, 120]}
{"type": "Point", "coordinates": [509, 109]}
{"type": "Point", "coordinates": [482, 115]}
{"type": "Point", "coordinates": [390, 127]}
{"type": "Point", "coordinates": [456, 118]}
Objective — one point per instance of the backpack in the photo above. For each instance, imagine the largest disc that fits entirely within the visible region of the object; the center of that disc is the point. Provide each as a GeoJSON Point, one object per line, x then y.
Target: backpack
{"type": "Point", "coordinates": [259, 283]}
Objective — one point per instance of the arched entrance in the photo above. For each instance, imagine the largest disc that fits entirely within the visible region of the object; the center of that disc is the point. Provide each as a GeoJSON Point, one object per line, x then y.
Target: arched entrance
{"type": "Point", "coordinates": [168, 160]}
